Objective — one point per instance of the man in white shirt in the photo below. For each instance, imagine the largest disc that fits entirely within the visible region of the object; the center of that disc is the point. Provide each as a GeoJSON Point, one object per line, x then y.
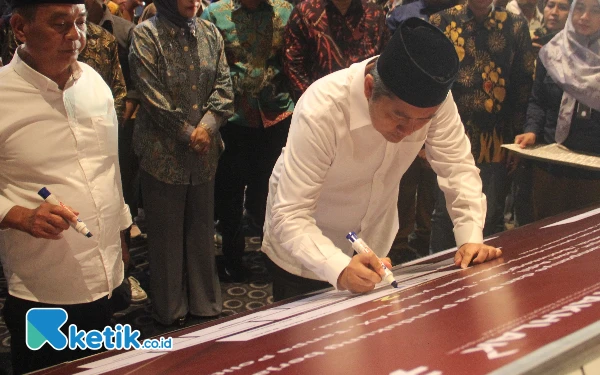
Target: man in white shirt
{"type": "Point", "coordinates": [353, 135]}
{"type": "Point", "coordinates": [58, 130]}
{"type": "Point", "coordinates": [529, 10]}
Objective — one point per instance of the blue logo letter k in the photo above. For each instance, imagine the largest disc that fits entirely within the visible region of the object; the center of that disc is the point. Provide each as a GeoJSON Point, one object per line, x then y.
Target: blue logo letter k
{"type": "Point", "coordinates": [43, 325]}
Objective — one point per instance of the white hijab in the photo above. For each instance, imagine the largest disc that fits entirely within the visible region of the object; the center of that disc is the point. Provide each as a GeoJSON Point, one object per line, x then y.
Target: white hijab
{"type": "Point", "coordinates": [573, 62]}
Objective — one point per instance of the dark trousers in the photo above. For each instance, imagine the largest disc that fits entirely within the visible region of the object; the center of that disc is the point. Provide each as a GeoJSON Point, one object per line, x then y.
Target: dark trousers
{"type": "Point", "coordinates": [86, 316]}
{"type": "Point", "coordinates": [416, 202]}
{"type": "Point", "coordinates": [495, 188]}
{"type": "Point", "coordinates": [287, 285]}
{"type": "Point", "coordinates": [555, 193]}
{"type": "Point", "coordinates": [245, 166]}
{"type": "Point", "coordinates": [181, 249]}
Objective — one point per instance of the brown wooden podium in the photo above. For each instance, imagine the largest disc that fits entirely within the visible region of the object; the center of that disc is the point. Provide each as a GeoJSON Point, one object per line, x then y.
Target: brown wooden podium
{"type": "Point", "coordinates": [536, 311]}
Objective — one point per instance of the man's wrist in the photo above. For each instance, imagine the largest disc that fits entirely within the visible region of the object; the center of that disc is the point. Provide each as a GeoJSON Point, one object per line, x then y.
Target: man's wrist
{"type": "Point", "coordinates": [208, 128]}
{"type": "Point", "coordinates": [15, 218]}
{"type": "Point", "coordinates": [341, 282]}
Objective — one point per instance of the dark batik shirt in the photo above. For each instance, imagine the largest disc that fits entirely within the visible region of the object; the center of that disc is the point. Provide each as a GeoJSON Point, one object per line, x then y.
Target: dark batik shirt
{"type": "Point", "coordinates": [254, 50]}
{"type": "Point", "coordinates": [180, 76]}
{"type": "Point", "coordinates": [101, 53]}
{"type": "Point", "coordinates": [495, 77]}
{"type": "Point", "coordinates": [320, 40]}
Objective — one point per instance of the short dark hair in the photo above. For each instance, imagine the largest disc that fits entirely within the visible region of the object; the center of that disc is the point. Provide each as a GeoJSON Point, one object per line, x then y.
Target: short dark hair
{"type": "Point", "coordinates": [27, 11]}
{"type": "Point", "coordinates": [379, 88]}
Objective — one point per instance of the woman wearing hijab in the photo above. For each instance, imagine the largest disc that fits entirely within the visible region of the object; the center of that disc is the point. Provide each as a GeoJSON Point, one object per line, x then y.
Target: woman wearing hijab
{"type": "Point", "coordinates": [564, 108]}
{"type": "Point", "coordinates": [179, 67]}
{"type": "Point", "coordinates": [556, 13]}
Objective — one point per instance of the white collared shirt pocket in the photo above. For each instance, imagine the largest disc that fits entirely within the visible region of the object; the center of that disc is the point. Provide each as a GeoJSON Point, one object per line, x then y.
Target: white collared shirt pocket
{"type": "Point", "coordinates": [107, 133]}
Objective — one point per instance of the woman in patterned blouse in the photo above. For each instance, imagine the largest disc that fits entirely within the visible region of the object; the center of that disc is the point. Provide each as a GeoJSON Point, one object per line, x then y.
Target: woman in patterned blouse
{"type": "Point", "coordinates": [178, 64]}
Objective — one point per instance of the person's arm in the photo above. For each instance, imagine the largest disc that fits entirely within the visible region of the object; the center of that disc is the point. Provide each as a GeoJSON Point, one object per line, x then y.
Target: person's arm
{"type": "Point", "coordinates": [521, 80]}
{"type": "Point", "coordinates": [449, 153]}
{"type": "Point", "coordinates": [144, 62]}
{"type": "Point", "coordinates": [536, 110]}
{"type": "Point", "coordinates": [295, 59]}
{"type": "Point", "coordinates": [117, 83]}
{"type": "Point", "coordinates": [45, 221]}
{"type": "Point", "coordinates": [132, 100]}
{"type": "Point", "coordinates": [309, 153]}
{"type": "Point", "coordinates": [219, 105]}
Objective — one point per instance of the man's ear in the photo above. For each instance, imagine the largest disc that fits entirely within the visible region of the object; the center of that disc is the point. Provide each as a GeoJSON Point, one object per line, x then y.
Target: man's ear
{"type": "Point", "coordinates": [19, 26]}
{"type": "Point", "coordinates": [368, 86]}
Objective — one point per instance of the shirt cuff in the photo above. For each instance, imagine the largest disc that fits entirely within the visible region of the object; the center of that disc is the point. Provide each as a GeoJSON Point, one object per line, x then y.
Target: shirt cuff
{"type": "Point", "coordinates": [125, 219]}
{"type": "Point", "coordinates": [468, 233]}
{"type": "Point", "coordinates": [210, 122]}
{"type": "Point", "coordinates": [333, 267]}
{"type": "Point", "coordinates": [186, 133]}
{"type": "Point", "coordinates": [5, 206]}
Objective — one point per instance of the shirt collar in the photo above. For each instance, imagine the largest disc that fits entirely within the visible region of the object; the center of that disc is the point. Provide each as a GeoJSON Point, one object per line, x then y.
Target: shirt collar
{"type": "Point", "coordinates": [467, 15]}
{"type": "Point", "coordinates": [40, 81]}
{"type": "Point", "coordinates": [175, 30]}
{"type": "Point", "coordinates": [237, 4]}
{"type": "Point", "coordinates": [516, 9]}
{"type": "Point", "coordinates": [359, 106]}
{"type": "Point", "coordinates": [106, 18]}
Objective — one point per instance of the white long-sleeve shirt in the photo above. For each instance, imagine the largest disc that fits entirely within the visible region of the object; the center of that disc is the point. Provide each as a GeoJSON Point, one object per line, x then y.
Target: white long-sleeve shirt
{"type": "Point", "coordinates": [338, 174]}
{"type": "Point", "coordinates": [65, 140]}
{"type": "Point", "coordinates": [535, 23]}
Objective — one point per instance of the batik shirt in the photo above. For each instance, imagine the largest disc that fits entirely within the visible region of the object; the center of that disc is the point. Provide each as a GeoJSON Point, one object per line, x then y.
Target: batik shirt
{"type": "Point", "coordinates": [254, 50]}
{"type": "Point", "coordinates": [320, 40]}
{"type": "Point", "coordinates": [495, 77]}
{"type": "Point", "coordinates": [101, 53]}
{"type": "Point", "coordinates": [180, 75]}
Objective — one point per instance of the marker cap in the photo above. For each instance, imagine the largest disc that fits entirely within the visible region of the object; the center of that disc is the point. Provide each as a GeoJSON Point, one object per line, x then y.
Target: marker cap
{"type": "Point", "coordinates": [351, 237]}
{"type": "Point", "coordinates": [44, 193]}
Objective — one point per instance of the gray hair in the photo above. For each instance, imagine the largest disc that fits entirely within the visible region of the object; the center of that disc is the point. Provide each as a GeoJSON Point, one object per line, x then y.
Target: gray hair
{"type": "Point", "coordinates": [379, 88]}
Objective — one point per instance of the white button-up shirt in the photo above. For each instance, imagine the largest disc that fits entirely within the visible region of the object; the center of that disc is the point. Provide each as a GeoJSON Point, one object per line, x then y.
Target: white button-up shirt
{"type": "Point", "coordinates": [338, 174]}
{"type": "Point", "coordinates": [535, 23]}
{"type": "Point", "coordinates": [65, 140]}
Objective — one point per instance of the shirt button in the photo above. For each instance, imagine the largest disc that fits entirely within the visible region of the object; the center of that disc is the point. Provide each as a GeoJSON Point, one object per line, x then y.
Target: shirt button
{"type": "Point", "coordinates": [191, 67]}
{"type": "Point", "coordinates": [194, 87]}
{"type": "Point", "coordinates": [186, 48]}
{"type": "Point", "coordinates": [195, 107]}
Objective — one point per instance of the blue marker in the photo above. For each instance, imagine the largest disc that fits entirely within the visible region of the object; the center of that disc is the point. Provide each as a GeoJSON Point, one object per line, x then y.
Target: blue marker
{"type": "Point", "coordinates": [79, 226]}
{"type": "Point", "coordinates": [361, 247]}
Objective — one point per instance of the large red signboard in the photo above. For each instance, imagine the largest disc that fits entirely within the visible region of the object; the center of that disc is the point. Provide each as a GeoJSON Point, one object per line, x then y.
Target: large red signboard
{"type": "Point", "coordinates": [442, 320]}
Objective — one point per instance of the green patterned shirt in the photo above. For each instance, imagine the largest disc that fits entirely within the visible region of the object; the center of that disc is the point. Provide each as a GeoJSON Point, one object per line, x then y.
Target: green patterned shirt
{"type": "Point", "coordinates": [254, 50]}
